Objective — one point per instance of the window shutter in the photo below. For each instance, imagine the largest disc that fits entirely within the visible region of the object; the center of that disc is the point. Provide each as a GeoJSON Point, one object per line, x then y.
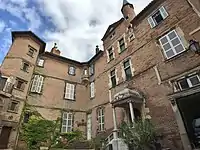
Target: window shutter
{"type": "Point", "coordinates": [163, 12]}
{"type": "Point", "coordinates": [34, 83]}
{"type": "Point", "coordinates": [151, 22]}
{"type": "Point", "coordinates": [40, 83]}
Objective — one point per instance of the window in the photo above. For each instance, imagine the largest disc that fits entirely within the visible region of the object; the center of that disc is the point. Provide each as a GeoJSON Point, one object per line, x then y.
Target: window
{"type": "Point", "coordinates": [92, 90]}
{"type": "Point", "coordinates": [113, 78]}
{"type": "Point", "coordinates": [187, 82]}
{"type": "Point", "coordinates": [127, 69]}
{"type": "Point", "coordinates": [91, 70]}
{"type": "Point", "coordinates": [122, 45]}
{"type": "Point", "coordinates": [37, 84]}
{"type": "Point", "coordinates": [31, 52]}
{"type": "Point", "coordinates": [101, 119]}
{"type": "Point", "coordinates": [20, 84]}
{"type": "Point", "coordinates": [70, 91]}
{"type": "Point", "coordinates": [110, 54]}
{"type": "Point", "coordinates": [40, 62]}
{"type": "Point", "coordinates": [85, 72]}
{"type": "Point", "coordinates": [67, 122]}
{"type": "Point", "coordinates": [25, 67]}
{"type": "Point", "coordinates": [13, 106]}
{"type": "Point", "coordinates": [112, 35]}
{"type": "Point", "coordinates": [1, 104]}
{"type": "Point", "coordinates": [157, 17]}
{"type": "Point", "coordinates": [171, 44]}
{"type": "Point", "coordinates": [71, 70]}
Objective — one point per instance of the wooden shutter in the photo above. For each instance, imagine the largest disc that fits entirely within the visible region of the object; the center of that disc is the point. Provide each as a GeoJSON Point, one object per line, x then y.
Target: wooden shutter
{"type": "Point", "coordinates": [34, 83]}
{"type": "Point", "coordinates": [151, 22]}
{"type": "Point", "coordinates": [39, 84]}
{"type": "Point", "coordinates": [163, 12]}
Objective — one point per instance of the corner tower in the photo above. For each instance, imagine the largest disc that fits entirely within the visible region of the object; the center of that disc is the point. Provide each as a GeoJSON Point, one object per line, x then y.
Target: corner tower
{"type": "Point", "coordinates": [128, 10]}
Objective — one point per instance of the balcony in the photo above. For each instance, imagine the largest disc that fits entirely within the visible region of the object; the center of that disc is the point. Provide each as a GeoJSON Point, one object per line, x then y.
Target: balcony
{"type": "Point", "coordinates": [6, 87]}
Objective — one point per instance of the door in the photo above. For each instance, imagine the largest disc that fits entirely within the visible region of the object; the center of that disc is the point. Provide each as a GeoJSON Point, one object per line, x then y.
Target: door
{"type": "Point", "coordinates": [89, 127]}
{"type": "Point", "coordinates": [4, 137]}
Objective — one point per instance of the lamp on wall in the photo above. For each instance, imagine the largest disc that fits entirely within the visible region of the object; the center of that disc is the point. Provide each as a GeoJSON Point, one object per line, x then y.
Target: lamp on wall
{"type": "Point", "coordinates": [194, 46]}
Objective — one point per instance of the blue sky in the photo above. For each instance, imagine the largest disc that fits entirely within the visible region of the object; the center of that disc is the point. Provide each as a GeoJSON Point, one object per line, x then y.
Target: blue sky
{"type": "Point", "coordinates": [75, 25]}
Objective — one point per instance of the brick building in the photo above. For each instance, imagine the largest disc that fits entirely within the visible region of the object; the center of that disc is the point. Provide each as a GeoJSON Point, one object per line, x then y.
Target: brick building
{"type": "Point", "coordinates": [147, 70]}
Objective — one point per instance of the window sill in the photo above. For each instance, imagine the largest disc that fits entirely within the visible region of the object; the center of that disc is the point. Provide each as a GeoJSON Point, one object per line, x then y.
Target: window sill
{"type": "Point", "coordinates": [69, 100]}
{"type": "Point", "coordinates": [11, 111]}
{"type": "Point", "coordinates": [18, 89]}
{"type": "Point", "coordinates": [110, 60]}
{"type": "Point", "coordinates": [92, 98]}
{"type": "Point", "coordinates": [175, 57]}
{"type": "Point", "coordinates": [40, 66]}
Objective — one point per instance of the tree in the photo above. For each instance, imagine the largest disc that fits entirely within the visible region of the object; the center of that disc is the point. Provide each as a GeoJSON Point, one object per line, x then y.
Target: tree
{"type": "Point", "coordinates": [140, 137]}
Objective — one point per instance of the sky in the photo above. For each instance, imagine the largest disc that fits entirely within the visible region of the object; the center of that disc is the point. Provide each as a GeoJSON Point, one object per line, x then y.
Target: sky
{"type": "Point", "coordinates": [77, 26]}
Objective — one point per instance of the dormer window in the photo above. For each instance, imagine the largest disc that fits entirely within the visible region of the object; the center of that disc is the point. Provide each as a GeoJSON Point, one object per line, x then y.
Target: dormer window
{"type": "Point", "coordinates": [112, 35]}
{"type": "Point", "coordinates": [157, 17]}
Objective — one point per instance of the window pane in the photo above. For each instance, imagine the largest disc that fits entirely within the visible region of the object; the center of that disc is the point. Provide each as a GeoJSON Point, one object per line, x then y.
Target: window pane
{"type": "Point", "coordinates": [164, 40]}
{"type": "Point", "coordinates": [113, 79]}
{"type": "Point", "coordinates": [126, 64]}
{"type": "Point", "coordinates": [170, 53]}
{"type": "Point", "coordinates": [184, 84]}
{"type": "Point", "coordinates": [172, 35]}
{"type": "Point", "coordinates": [64, 122]}
{"type": "Point", "coordinates": [167, 46]}
{"type": "Point", "coordinates": [64, 129]}
{"type": "Point", "coordinates": [157, 17]}
{"type": "Point", "coordinates": [128, 73]}
{"type": "Point", "coordinates": [69, 129]}
{"type": "Point", "coordinates": [13, 106]}
{"type": "Point", "coordinates": [65, 115]}
{"type": "Point", "coordinates": [194, 80]}
{"type": "Point", "coordinates": [179, 48]}
{"type": "Point", "coordinates": [175, 42]}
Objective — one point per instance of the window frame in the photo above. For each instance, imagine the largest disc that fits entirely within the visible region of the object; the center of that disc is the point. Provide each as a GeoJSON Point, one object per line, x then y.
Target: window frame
{"type": "Point", "coordinates": [101, 119]}
{"type": "Point", "coordinates": [37, 84]}
{"type": "Point", "coordinates": [113, 76]}
{"type": "Point", "coordinates": [169, 41]}
{"type": "Point", "coordinates": [188, 82]}
{"type": "Point", "coordinates": [92, 90]}
{"type": "Point", "coordinates": [22, 85]}
{"type": "Point", "coordinates": [110, 52]}
{"type": "Point", "coordinates": [74, 70]}
{"type": "Point", "coordinates": [123, 44]}
{"type": "Point", "coordinates": [27, 66]}
{"type": "Point", "coordinates": [38, 62]}
{"type": "Point", "coordinates": [16, 106]}
{"type": "Point", "coordinates": [67, 119]}
{"type": "Point", "coordinates": [70, 91]}
{"type": "Point", "coordinates": [125, 68]}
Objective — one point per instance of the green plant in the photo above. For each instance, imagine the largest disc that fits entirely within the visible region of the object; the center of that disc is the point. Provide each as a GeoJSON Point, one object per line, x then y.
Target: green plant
{"type": "Point", "coordinates": [139, 137]}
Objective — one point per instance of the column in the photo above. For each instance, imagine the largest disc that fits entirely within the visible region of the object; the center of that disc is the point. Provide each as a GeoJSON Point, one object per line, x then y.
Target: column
{"type": "Point", "coordinates": [132, 112]}
{"type": "Point", "coordinates": [115, 123]}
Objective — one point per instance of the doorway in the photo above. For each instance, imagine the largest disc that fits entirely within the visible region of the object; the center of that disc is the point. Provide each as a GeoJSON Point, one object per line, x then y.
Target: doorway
{"type": "Point", "coordinates": [4, 137]}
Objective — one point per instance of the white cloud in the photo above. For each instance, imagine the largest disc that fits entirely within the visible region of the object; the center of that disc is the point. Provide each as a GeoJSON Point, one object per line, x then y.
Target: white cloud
{"type": "Point", "coordinates": [2, 26]}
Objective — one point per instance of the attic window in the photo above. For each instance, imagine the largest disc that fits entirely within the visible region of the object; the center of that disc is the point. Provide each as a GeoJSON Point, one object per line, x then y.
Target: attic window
{"type": "Point", "coordinates": [112, 35]}
{"type": "Point", "coordinates": [126, 17]}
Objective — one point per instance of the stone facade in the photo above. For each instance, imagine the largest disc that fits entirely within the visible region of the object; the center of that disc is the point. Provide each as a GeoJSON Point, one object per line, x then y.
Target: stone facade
{"type": "Point", "coordinates": [152, 74]}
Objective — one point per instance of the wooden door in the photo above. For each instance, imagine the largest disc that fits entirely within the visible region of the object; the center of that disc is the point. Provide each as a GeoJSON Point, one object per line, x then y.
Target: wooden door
{"type": "Point", "coordinates": [4, 137]}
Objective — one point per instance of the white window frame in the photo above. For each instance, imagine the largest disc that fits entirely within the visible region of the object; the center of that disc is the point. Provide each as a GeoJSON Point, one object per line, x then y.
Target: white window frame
{"type": "Point", "coordinates": [172, 46]}
{"type": "Point", "coordinates": [189, 82]}
{"type": "Point", "coordinates": [40, 62]}
{"type": "Point", "coordinates": [70, 91]}
{"type": "Point", "coordinates": [112, 52]}
{"type": "Point", "coordinates": [16, 107]}
{"type": "Point", "coordinates": [130, 65]}
{"type": "Point", "coordinates": [72, 70]}
{"type": "Point", "coordinates": [69, 118]}
{"type": "Point", "coordinates": [37, 84]}
{"type": "Point", "coordinates": [92, 90]}
{"type": "Point", "coordinates": [101, 117]}
{"type": "Point", "coordinates": [163, 13]}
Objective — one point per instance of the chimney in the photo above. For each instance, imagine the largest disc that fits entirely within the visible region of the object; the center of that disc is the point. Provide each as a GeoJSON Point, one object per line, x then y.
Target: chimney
{"type": "Point", "coordinates": [54, 50]}
{"type": "Point", "coordinates": [97, 49]}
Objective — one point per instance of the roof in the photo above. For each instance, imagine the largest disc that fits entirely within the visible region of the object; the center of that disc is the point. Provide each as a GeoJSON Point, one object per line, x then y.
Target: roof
{"type": "Point", "coordinates": [58, 57]}
{"type": "Point", "coordinates": [31, 34]}
{"type": "Point", "coordinates": [125, 2]}
{"type": "Point", "coordinates": [114, 25]}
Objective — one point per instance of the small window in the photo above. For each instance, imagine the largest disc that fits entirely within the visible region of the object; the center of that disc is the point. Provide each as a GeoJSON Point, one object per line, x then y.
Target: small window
{"type": "Point", "coordinates": [157, 17]}
{"type": "Point", "coordinates": [25, 67]}
{"type": "Point", "coordinates": [85, 72]}
{"type": "Point", "coordinates": [40, 62]}
{"type": "Point", "coordinates": [112, 35]}
{"type": "Point", "coordinates": [171, 44]}
{"type": "Point", "coordinates": [188, 82]}
{"type": "Point", "coordinates": [110, 54]}
{"type": "Point", "coordinates": [122, 45]}
{"type": "Point", "coordinates": [20, 84]}
{"type": "Point", "coordinates": [13, 106]}
{"type": "Point", "coordinates": [101, 119]}
{"type": "Point", "coordinates": [71, 70]}
{"type": "Point", "coordinates": [127, 69]}
{"type": "Point", "coordinates": [67, 122]}
{"type": "Point", "coordinates": [37, 84]}
{"type": "Point", "coordinates": [92, 90]}
{"type": "Point", "coordinates": [31, 52]}
{"type": "Point", "coordinates": [131, 37]}
{"type": "Point", "coordinates": [70, 91]}
{"type": "Point", "coordinates": [91, 70]}
{"type": "Point", "coordinates": [113, 78]}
